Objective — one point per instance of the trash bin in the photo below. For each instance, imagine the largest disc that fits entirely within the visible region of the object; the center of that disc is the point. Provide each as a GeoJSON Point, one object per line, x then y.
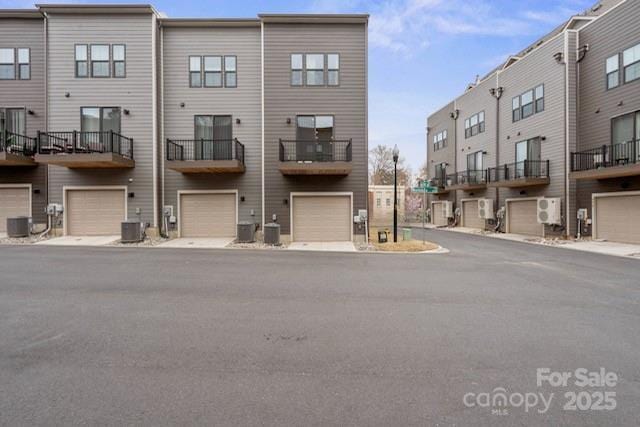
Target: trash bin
{"type": "Point", "coordinates": [246, 232]}
{"type": "Point", "coordinates": [406, 234]}
{"type": "Point", "coordinates": [382, 237]}
{"type": "Point", "coordinates": [272, 233]}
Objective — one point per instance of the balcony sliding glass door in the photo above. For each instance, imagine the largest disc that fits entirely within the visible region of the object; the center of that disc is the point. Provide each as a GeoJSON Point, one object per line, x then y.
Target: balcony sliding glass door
{"type": "Point", "coordinates": [528, 157]}
{"type": "Point", "coordinates": [96, 125]}
{"type": "Point", "coordinates": [314, 138]}
{"type": "Point", "coordinates": [213, 138]}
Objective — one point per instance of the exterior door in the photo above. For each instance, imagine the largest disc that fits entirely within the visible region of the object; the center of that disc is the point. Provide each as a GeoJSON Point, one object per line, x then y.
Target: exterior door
{"type": "Point", "coordinates": [208, 215]}
{"type": "Point", "coordinates": [616, 218]}
{"type": "Point", "coordinates": [95, 125]}
{"type": "Point", "coordinates": [314, 138]}
{"type": "Point", "coordinates": [213, 138]}
{"type": "Point", "coordinates": [12, 121]}
{"type": "Point", "coordinates": [522, 217]}
{"type": "Point", "coordinates": [470, 217]}
{"type": "Point", "coordinates": [528, 158]}
{"type": "Point", "coordinates": [321, 218]}
{"type": "Point", "coordinates": [94, 212]}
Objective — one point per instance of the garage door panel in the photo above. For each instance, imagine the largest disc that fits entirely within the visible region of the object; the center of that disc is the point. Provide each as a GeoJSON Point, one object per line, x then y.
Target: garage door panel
{"type": "Point", "coordinates": [437, 215]}
{"type": "Point", "coordinates": [208, 215]}
{"type": "Point", "coordinates": [14, 201]}
{"type": "Point", "coordinates": [322, 218]}
{"type": "Point", "coordinates": [94, 212]}
{"type": "Point", "coordinates": [523, 217]}
{"type": "Point", "coordinates": [617, 218]}
{"type": "Point", "coordinates": [470, 216]}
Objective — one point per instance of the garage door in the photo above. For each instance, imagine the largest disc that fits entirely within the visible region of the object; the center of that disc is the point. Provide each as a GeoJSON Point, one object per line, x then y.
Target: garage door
{"type": "Point", "coordinates": [522, 217]}
{"type": "Point", "coordinates": [208, 215]}
{"type": "Point", "coordinates": [437, 215]}
{"type": "Point", "coordinates": [470, 216]}
{"type": "Point", "coordinates": [94, 212]}
{"type": "Point", "coordinates": [322, 218]}
{"type": "Point", "coordinates": [617, 218]}
{"type": "Point", "coordinates": [14, 201]}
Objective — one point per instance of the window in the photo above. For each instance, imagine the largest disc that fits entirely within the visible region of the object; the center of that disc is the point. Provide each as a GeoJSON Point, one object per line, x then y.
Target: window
{"type": "Point", "coordinates": [440, 140]}
{"type": "Point", "coordinates": [475, 161]}
{"type": "Point", "coordinates": [441, 173]}
{"type": "Point", "coordinates": [13, 120]}
{"type": "Point", "coordinates": [7, 64]}
{"type": "Point", "coordinates": [296, 69]}
{"type": "Point", "coordinates": [82, 67]}
{"type": "Point", "coordinates": [528, 158]}
{"type": "Point", "coordinates": [119, 62]}
{"type": "Point", "coordinates": [100, 119]}
{"type": "Point", "coordinates": [100, 60]}
{"type": "Point", "coordinates": [527, 104]}
{"type": "Point", "coordinates": [539, 99]}
{"type": "Point", "coordinates": [212, 71]}
{"type": "Point", "coordinates": [214, 137]}
{"type": "Point", "coordinates": [474, 125]}
{"type": "Point", "coordinates": [230, 76]}
{"type": "Point", "coordinates": [613, 71]}
{"type": "Point", "coordinates": [631, 63]}
{"type": "Point", "coordinates": [315, 69]}
{"type": "Point", "coordinates": [195, 65]}
{"type": "Point", "coordinates": [625, 136]}
{"type": "Point", "coordinates": [388, 200]}
{"type": "Point", "coordinates": [515, 109]}
{"type": "Point", "coordinates": [314, 138]}
{"type": "Point", "coordinates": [333, 69]}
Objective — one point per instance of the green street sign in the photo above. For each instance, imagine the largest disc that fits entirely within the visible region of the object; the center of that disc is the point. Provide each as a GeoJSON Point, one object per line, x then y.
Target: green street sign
{"type": "Point", "coordinates": [427, 190]}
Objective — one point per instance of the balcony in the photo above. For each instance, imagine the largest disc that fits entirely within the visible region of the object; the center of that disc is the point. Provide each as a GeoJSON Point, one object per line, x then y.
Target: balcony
{"type": "Point", "coordinates": [608, 161]}
{"type": "Point", "coordinates": [528, 173]}
{"type": "Point", "coordinates": [85, 150]}
{"type": "Point", "coordinates": [441, 185]}
{"type": "Point", "coordinates": [205, 156]}
{"type": "Point", "coordinates": [298, 157]}
{"type": "Point", "coordinates": [16, 150]}
{"type": "Point", "coordinates": [467, 180]}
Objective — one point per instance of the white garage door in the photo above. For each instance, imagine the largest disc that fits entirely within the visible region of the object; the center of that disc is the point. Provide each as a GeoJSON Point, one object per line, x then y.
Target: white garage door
{"type": "Point", "coordinates": [522, 217]}
{"type": "Point", "coordinates": [94, 212]}
{"type": "Point", "coordinates": [14, 201]}
{"type": "Point", "coordinates": [470, 216]}
{"type": "Point", "coordinates": [208, 215]}
{"type": "Point", "coordinates": [437, 215]}
{"type": "Point", "coordinates": [321, 218]}
{"type": "Point", "coordinates": [617, 218]}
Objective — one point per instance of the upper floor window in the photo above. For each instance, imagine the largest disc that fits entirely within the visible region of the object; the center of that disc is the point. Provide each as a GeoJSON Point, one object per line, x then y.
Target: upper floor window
{"type": "Point", "coordinates": [440, 140]}
{"type": "Point", "coordinates": [613, 71]}
{"type": "Point", "coordinates": [213, 71]}
{"type": "Point", "coordinates": [475, 161]}
{"type": "Point", "coordinates": [378, 203]}
{"type": "Point", "coordinates": [315, 69]}
{"type": "Point", "coordinates": [7, 64]}
{"type": "Point", "coordinates": [474, 125]}
{"type": "Point", "coordinates": [100, 60]}
{"type": "Point", "coordinates": [13, 120]}
{"type": "Point", "coordinates": [82, 61]}
{"type": "Point", "coordinates": [626, 129]}
{"type": "Point", "coordinates": [119, 67]}
{"type": "Point", "coordinates": [441, 172]}
{"type": "Point", "coordinates": [24, 64]}
{"type": "Point", "coordinates": [631, 63]}
{"type": "Point", "coordinates": [527, 104]}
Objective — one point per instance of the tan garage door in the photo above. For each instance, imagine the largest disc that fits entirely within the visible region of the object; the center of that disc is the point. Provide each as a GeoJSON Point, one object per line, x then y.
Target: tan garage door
{"type": "Point", "coordinates": [14, 201]}
{"type": "Point", "coordinates": [322, 218]}
{"type": "Point", "coordinates": [437, 215]}
{"type": "Point", "coordinates": [522, 217]}
{"type": "Point", "coordinates": [94, 212]}
{"type": "Point", "coordinates": [470, 216]}
{"type": "Point", "coordinates": [617, 218]}
{"type": "Point", "coordinates": [208, 215]}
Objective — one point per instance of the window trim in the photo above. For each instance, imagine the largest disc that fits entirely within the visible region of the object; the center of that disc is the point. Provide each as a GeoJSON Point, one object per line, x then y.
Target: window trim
{"type": "Point", "coordinates": [624, 67]}
{"type": "Point", "coordinates": [76, 60]}
{"type": "Point", "coordinates": [91, 61]}
{"type": "Point", "coordinates": [200, 60]}
{"type": "Point", "coordinates": [124, 62]}
{"type": "Point", "coordinates": [100, 108]}
{"type": "Point", "coordinates": [15, 59]}
{"type": "Point", "coordinates": [337, 70]}
{"type": "Point", "coordinates": [323, 69]}
{"type": "Point", "coordinates": [479, 126]}
{"type": "Point", "coordinates": [19, 64]}
{"type": "Point", "coordinates": [516, 110]}
{"type": "Point", "coordinates": [291, 70]}
{"type": "Point", "coordinates": [213, 123]}
{"type": "Point", "coordinates": [607, 74]}
{"type": "Point", "coordinates": [225, 72]}
{"type": "Point", "coordinates": [203, 72]}
{"type": "Point", "coordinates": [536, 99]}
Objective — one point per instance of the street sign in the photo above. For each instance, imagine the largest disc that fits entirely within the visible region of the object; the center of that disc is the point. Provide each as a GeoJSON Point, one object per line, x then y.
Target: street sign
{"type": "Point", "coordinates": [425, 190]}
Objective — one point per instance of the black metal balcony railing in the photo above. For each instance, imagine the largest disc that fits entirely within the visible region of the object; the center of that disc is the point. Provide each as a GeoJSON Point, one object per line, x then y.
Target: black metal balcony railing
{"type": "Point", "coordinates": [438, 182]}
{"type": "Point", "coordinates": [315, 151]}
{"type": "Point", "coordinates": [14, 143]}
{"type": "Point", "coordinates": [472, 177]}
{"type": "Point", "coordinates": [205, 149]}
{"type": "Point", "coordinates": [519, 170]}
{"type": "Point", "coordinates": [606, 156]}
{"type": "Point", "coordinates": [75, 142]}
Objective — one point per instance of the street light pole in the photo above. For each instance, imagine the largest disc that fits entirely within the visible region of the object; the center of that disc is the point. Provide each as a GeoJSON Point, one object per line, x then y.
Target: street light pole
{"type": "Point", "coordinates": [396, 155]}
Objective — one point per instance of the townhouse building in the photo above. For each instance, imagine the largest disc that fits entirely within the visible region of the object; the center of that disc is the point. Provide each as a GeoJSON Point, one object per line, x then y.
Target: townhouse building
{"type": "Point", "coordinates": [23, 182]}
{"type": "Point", "coordinates": [191, 125]}
{"type": "Point", "coordinates": [559, 138]}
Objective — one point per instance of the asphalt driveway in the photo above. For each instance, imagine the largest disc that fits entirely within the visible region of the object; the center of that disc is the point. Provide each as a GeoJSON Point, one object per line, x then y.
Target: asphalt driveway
{"type": "Point", "coordinates": [158, 337]}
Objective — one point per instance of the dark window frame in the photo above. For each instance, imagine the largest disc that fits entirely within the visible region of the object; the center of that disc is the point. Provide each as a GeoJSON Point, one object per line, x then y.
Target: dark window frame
{"type": "Point", "coordinates": [296, 70]}
{"type": "Point", "coordinates": [474, 155]}
{"type": "Point", "coordinates": [101, 108]}
{"type": "Point", "coordinates": [20, 64]}
{"type": "Point", "coordinates": [323, 70]}
{"type": "Point", "coordinates": [616, 72]}
{"type": "Point", "coordinates": [531, 104]}
{"type": "Point", "coordinates": [24, 113]}
{"type": "Point", "coordinates": [13, 64]}
{"type": "Point", "coordinates": [204, 72]}
{"type": "Point", "coordinates": [633, 64]}
{"type": "Point", "coordinates": [515, 111]}
{"type": "Point", "coordinates": [76, 60]}
{"type": "Point", "coordinates": [213, 122]}
{"type": "Point", "coordinates": [537, 101]}
{"type": "Point", "coordinates": [226, 72]}
{"type": "Point", "coordinates": [91, 61]}
{"type": "Point", "coordinates": [199, 72]}
{"type": "Point", "coordinates": [476, 129]}
{"type": "Point", "coordinates": [114, 61]}
{"type": "Point", "coordinates": [330, 70]}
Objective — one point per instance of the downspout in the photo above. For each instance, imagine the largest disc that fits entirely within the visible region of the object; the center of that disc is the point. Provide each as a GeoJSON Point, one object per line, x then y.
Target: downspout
{"type": "Point", "coordinates": [164, 223]}
{"type": "Point", "coordinates": [46, 104]}
{"type": "Point", "coordinates": [497, 94]}
{"type": "Point", "coordinates": [567, 154]}
{"type": "Point", "coordinates": [262, 119]}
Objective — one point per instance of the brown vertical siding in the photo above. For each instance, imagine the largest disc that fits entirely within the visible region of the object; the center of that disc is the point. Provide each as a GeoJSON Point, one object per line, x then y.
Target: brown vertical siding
{"type": "Point", "coordinates": [347, 103]}
{"type": "Point", "coordinates": [608, 35]}
{"type": "Point", "coordinates": [242, 102]}
{"type": "Point", "coordinates": [28, 94]}
{"type": "Point", "coordinates": [135, 93]}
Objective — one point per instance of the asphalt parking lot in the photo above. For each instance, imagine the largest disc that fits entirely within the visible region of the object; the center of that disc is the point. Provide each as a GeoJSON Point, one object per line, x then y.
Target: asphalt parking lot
{"type": "Point", "coordinates": [226, 337]}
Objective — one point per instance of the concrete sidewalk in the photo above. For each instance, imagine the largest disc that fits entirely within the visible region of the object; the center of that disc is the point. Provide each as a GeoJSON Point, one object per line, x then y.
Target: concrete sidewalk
{"type": "Point", "coordinates": [79, 241]}
{"type": "Point", "coordinates": [198, 243]}
{"type": "Point", "coordinates": [322, 246]}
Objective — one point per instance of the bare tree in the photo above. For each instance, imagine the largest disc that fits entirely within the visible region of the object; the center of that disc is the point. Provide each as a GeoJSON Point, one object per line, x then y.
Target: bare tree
{"type": "Point", "coordinates": [381, 167]}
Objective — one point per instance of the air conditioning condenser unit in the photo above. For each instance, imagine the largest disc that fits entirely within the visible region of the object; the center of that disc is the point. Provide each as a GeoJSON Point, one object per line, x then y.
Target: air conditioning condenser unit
{"type": "Point", "coordinates": [485, 208]}
{"type": "Point", "coordinates": [549, 211]}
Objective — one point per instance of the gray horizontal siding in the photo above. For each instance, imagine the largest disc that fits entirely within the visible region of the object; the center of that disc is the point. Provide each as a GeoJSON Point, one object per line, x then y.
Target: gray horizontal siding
{"type": "Point", "coordinates": [437, 122]}
{"type": "Point", "coordinates": [28, 94]}
{"type": "Point", "coordinates": [347, 103]}
{"type": "Point", "coordinates": [242, 102]}
{"type": "Point", "coordinates": [610, 34]}
{"type": "Point", "coordinates": [135, 93]}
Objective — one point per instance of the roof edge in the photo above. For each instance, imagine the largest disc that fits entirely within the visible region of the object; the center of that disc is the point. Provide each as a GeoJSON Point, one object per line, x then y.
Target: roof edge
{"type": "Point", "coordinates": [295, 18]}
{"type": "Point", "coordinates": [209, 23]}
{"type": "Point", "coordinates": [21, 13]}
{"type": "Point", "coordinates": [97, 8]}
